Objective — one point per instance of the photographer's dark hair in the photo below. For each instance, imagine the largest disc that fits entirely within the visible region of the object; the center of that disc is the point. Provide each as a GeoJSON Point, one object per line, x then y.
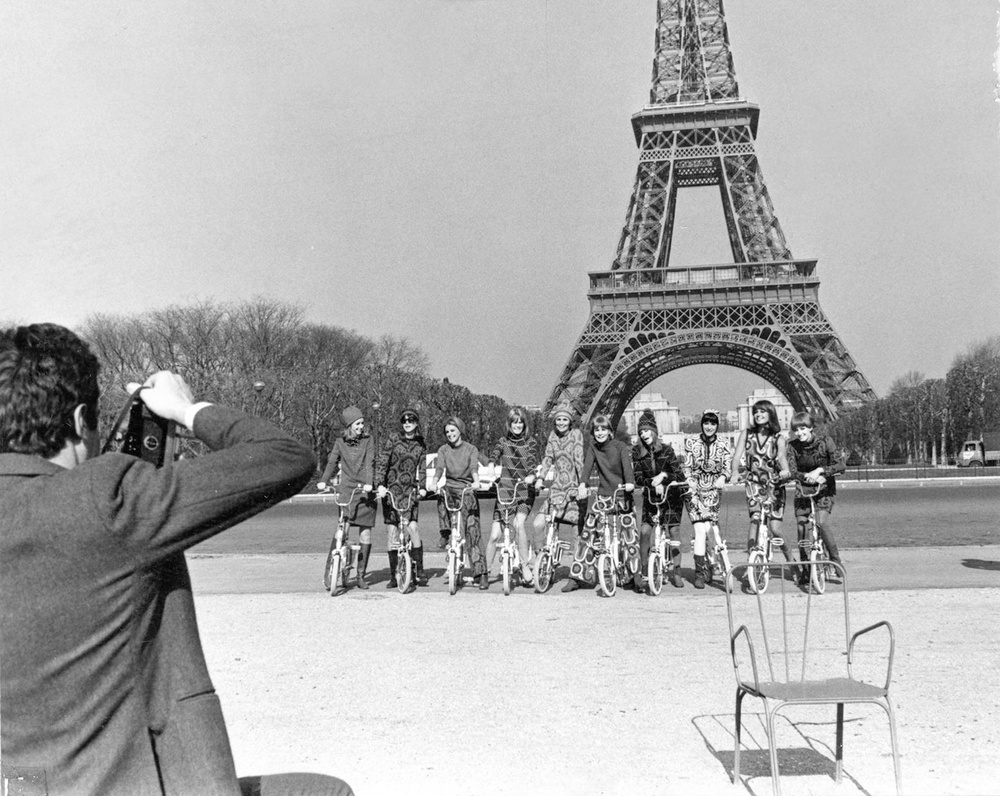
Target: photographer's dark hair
{"type": "Point", "coordinates": [46, 371]}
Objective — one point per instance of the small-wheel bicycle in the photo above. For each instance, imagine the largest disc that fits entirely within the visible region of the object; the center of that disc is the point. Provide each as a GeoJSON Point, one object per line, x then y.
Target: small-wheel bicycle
{"type": "Point", "coordinates": [404, 563]}
{"type": "Point", "coordinates": [659, 563]}
{"type": "Point", "coordinates": [510, 558]}
{"type": "Point", "coordinates": [759, 559]}
{"type": "Point", "coordinates": [456, 547]}
{"type": "Point", "coordinates": [342, 555]}
{"type": "Point", "coordinates": [612, 562]}
{"type": "Point", "coordinates": [821, 568]}
{"type": "Point", "coordinates": [717, 558]}
{"type": "Point", "coordinates": [554, 547]}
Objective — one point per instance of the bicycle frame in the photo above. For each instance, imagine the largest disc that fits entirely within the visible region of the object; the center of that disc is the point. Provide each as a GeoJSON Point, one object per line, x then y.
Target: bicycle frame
{"type": "Point", "coordinates": [759, 558]}
{"type": "Point", "coordinates": [456, 548]}
{"type": "Point", "coordinates": [510, 558]}
{"type": "Point", "coordinates": [611, 568]}
{"type": "Point", "coordinates": [341, 557]}
{"type": "Point", "coordinates": [819, 559]}
{"type": "Point", "coordinates": [659, 561]}
{"type": "Point", "coordinates": [404, 567]}
{"type": "Point", "coordinates": [552, 551]}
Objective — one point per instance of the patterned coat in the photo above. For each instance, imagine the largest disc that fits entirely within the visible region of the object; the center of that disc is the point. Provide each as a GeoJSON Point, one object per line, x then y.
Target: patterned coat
{"type": "Point", "coordinates": [705, 459]}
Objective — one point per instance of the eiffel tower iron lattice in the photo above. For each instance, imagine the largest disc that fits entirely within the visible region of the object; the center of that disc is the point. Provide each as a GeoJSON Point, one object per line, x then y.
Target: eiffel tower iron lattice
{"type": "Point", "coordinates": [760, 313]}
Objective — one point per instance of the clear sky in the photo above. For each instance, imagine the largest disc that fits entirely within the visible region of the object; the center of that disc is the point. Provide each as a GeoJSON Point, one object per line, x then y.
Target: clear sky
{"type": "Point", "coordinates": [449, 170]}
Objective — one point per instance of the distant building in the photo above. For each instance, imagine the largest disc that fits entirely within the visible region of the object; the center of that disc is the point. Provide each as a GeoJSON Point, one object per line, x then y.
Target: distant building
{"type": "Point", "coordinates": [668, 418]}
{"type": "Point", "coordinates": [781, 404]}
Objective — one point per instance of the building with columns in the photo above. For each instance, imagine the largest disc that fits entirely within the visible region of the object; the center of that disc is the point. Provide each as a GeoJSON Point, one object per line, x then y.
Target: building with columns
{"type": "Point", "coordinates": [668, 418]}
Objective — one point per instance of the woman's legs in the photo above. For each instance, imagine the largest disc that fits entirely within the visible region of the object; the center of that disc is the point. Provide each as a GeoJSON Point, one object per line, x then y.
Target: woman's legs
{"type": "Point", "coordinates": [698, 547]}
{"type": "Point", "coordinates": [522, 547]}
{"type": "Point", "coordinates": [365, 536]}
{"type": "Point", "coordinates": [392, 542]}
{"type": "Point", "coordinates": [496, 532]}
{"type": "Point", "coordinates": [824, 523]}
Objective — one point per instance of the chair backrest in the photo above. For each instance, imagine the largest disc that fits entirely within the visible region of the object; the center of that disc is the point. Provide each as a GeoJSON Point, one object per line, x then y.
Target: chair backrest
{"type": "Point", "coordinates": [788, 634]}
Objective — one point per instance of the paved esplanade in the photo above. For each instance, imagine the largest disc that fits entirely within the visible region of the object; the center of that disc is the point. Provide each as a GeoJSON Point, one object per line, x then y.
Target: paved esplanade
{"type": "Point", "coordinates": [575, 694]}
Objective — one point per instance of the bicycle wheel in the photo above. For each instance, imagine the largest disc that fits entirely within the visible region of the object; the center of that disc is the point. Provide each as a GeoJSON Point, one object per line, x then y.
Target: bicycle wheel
{"type": "Point", "coordinates": [758, 576]}
{"type": "Point", "coordinates": [543, 572]}
{"type": "Point", "coordinates": [404, 571]}
{"type": "Point", "coordinates": [817, 572]}
{"type": "Point", "coordinates": [606, 574]}
{"type": "Point", "coordinates": [727, 571]}
{"type": "Point", "coordinates": [345, 571]}
{"type": "Point", "coordinates": [506, 571]}
{"type": "Point", "coordinates": [654, 574]}
{"type": "Point", "coordinates": [454, 572]}
{"type": "Point", "coordinates": [333, 568]}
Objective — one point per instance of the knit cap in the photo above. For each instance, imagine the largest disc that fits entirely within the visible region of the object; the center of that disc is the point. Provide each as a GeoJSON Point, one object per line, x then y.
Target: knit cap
{"type": "Point", "coordinates": [647, 420]}
{"type": "Point", "coordinates": [457, 423]}
{"type": "Point", "coordinates": [564, 408]}
{"type": "Point", "coordinates": [409, 411]}
{"type": "Point", "coordinates": [350, 415]}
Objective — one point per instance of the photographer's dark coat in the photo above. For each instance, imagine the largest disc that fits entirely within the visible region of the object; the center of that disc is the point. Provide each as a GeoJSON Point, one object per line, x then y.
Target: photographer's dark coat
{"type": "Point", "coordinates": [104, 683]}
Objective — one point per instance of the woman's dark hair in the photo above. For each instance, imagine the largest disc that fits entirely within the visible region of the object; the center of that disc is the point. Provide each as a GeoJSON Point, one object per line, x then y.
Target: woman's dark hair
{"type": "Point", "coordinates": [46, 371]}
{"type": "Point", "coordinates": [773, 426]}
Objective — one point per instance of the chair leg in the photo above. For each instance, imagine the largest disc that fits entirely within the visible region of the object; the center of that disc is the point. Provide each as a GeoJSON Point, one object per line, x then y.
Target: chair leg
{"type": "Point", "coordinates": [895, 747]}
{"type": "Point", "coordinates": [740, 693]}
{"type": "Point", "coordinates": [840, 742]}
{"type": "Point", "coordinates": [773, 747]}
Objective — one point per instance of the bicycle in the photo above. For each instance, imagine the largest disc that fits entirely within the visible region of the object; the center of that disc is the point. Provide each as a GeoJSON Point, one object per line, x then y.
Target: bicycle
{"type": "Point", "coordinates": [510, 558]}
{"type": "Point", "coordinates": [342, 555]}
{"type": "Point", "coordinates": [612, 566]}
{"type": "Point", "coordinates": [404, 562]}
{"type": "Point", "coordinates": [717, 557]}
{"type": "Point", "coordinates": [820, 567]}
{"type": "Point", "coordinates": [659, 561]}
{"type": "Point", "coordinates": [456, 546]}
{"type": "Point", "coordinates": [759, 558]}
{"type": "Point", "coordinates": [554, 547]}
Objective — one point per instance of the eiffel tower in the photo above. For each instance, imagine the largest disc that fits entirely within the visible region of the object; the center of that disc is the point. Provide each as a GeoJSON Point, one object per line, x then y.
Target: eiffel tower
{"type": "Point", "coordinates": [760, 313]}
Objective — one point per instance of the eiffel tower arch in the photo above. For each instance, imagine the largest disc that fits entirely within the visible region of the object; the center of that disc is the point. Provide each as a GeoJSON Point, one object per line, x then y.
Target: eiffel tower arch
{"type": "Point", "coordinates": [761, 312]}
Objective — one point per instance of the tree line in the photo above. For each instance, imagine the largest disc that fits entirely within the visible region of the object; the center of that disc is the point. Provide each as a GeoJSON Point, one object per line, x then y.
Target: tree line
{"type": "Point", "coordinates": [927, 420]}
{"type": "Point", "coordinates": [263, 357]}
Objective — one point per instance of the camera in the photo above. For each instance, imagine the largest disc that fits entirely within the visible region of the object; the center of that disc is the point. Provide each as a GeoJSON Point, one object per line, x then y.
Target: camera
{"type": "Point", "coordinates": [148, 436]}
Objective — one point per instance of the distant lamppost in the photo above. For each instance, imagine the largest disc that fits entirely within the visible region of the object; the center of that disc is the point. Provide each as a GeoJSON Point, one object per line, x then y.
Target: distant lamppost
{"type": "Point", "coordinates": [376, 405]}
{"type": "Point", "coordinates": [258, 387]}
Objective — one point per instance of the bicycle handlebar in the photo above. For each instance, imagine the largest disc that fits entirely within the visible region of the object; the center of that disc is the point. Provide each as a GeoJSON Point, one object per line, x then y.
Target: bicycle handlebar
{"type": "Point", "coordinates": [443, 494]}
{"type": "Point", "coordinates": [659, 501]}
{"type": "Point", "coordinates": [336, 495]}
{"type": "Point", "coordinates": [496, 487]}
{"type": "Point", "coordinates": [392, 501]}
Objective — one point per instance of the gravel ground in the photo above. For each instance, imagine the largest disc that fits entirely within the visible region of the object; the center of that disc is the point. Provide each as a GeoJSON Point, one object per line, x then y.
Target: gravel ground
{"type": "Point", "coordinates": [577, 694]}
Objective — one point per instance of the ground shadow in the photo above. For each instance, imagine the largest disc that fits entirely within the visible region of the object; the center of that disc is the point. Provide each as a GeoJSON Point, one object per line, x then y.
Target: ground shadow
{"type": "Point", "coordinates": [978, 563]}
{"type": "Point", "coordinates": [811, 758]}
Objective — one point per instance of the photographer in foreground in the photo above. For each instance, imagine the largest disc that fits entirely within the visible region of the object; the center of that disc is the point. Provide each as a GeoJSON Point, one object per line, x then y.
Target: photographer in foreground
{"type": "Point", "coordinates": [104, 684]}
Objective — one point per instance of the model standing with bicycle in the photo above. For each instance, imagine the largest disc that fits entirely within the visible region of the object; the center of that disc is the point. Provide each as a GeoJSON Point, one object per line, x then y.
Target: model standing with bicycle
{"type": "Point", "coordinates": [764, 466]}
{"type": "Point", "coordinates": [708, 461]}
{"type": "Point", "coordinates": [457, 467]}
{"type": "Point", "coordinates": [400, 471]}
{"type": "Point", "coordinates": [656, 466]}
{"type": "Point", "coordinates": [814, 459]}
{"type": "Point", "coordinates": [613, 462]}
{"type": "Point", "coordinates": [354, 452]}
{"type": "Point", "coordinates": [515, 453]}
{"type": "Point", "coordinates": [561, 471]}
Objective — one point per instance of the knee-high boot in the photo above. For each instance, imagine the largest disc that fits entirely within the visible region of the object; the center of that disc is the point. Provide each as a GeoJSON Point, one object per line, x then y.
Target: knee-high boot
{"type": "Point", "coordinates": [363, 556]}
{"type": "Point", "coordinates": [417, 554]}
{"type": "Point", "coordinates": [675, 568]}
{"type": "Point", "coordinates": [699, 572]}
{"type": "Point", "coordinates": [393, 563]}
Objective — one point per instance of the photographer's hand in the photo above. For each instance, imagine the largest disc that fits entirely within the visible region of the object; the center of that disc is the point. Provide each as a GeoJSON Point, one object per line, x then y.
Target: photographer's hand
{"type": "Point", "coordinates": [167, 395]}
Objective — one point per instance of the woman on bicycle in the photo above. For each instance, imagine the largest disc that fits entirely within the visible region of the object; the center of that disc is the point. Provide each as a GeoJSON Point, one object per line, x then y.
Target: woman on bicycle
{"type": "Point", "coordinates": [656, 467]}
{"type": "Point", "coordinates": [353, 452]}
{"type": "Point", "coordinates": [517, 456]}
{"type": "Point", "coordinates": [764, 466]}
{"type": "Point", "coordinates": [400, 471]}
{"type": "Point", "coordinates": [455, 468]}
{"type": "Point", "coordinates": [814, 459]}
{"type": "Point", "coordinates": [613, 462]}
{"type": "Point", "coordinates": [707, 464]}
{"type": "Point", "coordinates": [561, 470]}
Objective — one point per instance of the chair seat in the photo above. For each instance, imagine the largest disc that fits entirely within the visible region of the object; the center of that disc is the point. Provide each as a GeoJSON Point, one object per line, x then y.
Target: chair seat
{"type": "Point", "coordinates": [835, 689]}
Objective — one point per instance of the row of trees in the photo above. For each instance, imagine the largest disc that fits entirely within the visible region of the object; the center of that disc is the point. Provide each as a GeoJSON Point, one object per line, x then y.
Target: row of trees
{"type": "Point", "coordinates": [927, 420]}
{"type": "Point", "coordinates": [261, 356]}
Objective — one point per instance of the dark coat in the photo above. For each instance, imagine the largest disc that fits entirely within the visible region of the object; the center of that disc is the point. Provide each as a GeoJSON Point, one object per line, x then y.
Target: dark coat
{"type": "Point", "coordinates": [102, 676]}
{"type": "Point", "coordinates": [649, 463]}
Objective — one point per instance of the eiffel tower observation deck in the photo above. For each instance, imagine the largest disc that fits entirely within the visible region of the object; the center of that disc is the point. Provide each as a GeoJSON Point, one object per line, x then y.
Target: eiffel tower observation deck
{"type": "Point", "coordinates": [761, 312]}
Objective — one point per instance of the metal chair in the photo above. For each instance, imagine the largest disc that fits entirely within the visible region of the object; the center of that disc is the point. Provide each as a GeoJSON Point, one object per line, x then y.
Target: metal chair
{"type": "Point", "coordinates": [797, 661]}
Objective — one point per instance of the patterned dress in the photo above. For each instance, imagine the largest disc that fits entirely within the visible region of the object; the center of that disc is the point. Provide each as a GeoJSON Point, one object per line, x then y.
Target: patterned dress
{"type": "Point", "coordinates": [563, 460]}
{"type": "Point", "coordinates": [518, 457]}
{"type": "Point", "coordinates": [760, 463]}
{"type": "Point", "coordinates": [401, 468]}
{"type": "Point", "coordinates": [705, 459]}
